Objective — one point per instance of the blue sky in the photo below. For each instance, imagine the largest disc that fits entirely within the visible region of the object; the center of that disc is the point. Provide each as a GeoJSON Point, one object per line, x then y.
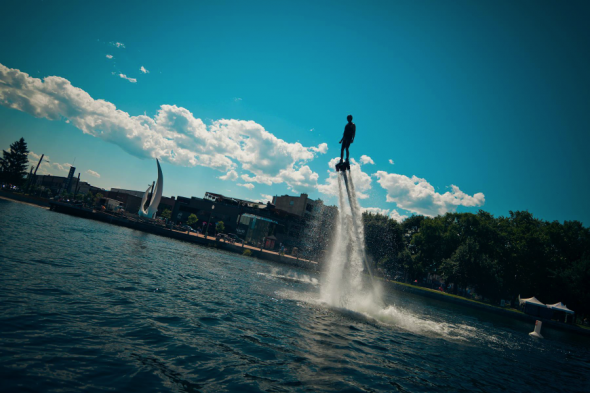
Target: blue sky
{"type": "Point", "coordinates": [492, 98]}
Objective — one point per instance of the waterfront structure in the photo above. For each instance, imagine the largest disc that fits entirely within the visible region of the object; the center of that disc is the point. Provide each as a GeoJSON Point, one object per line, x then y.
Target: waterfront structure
{"type": "Point", "coordinates": [154, 196]}
{"type": "Point", "coordinates": [256, 229]}
{"type": "Point", "coordinates": [138, 194]}
{"type": "Point", "coordinates": [227, 210]}
{"type": "Point", "coordinates": [299, 205]}
{"type": "Point", "coordinates": [110, 204]}
{"type": "Point", "coordinates": [55, 184]}
{"type": "Point", "coordinates": [289, 228]}
{"type": "Point", "coordinates": [131, 199]}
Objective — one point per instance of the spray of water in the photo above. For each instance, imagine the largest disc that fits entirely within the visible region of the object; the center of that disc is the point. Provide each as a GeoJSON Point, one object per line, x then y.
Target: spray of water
{"type": "Point", "coordinates": [343, 283]}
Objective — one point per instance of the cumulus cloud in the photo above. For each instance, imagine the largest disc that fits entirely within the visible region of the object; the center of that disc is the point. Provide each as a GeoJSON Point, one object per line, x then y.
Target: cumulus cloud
{"type": "Point", "coordinates": [249, 186]}
{"type": "Point", "coordinates": [92, 173]}
{"type": "Point", "coordinates": [391, 161]}
{"type": "Point", "coordinates": [123, 76]}
{"type": "Point", "coordinates": [266, 198]}
{"type": "Point", "coordinates": [362, 181]}
{"type": "Point", "coordinates": [174, 134]}
{"type": "Point", "coordinates": [142, 69]}
{"type": "Point", "coordinates": [367, 160]}
{"type": "Point", "coordinates": [231, 175]}
{"type": "Point", "coordinates": [47, 167]}
{"type": "Point", "coordinates": [396, 216]}
{"type": "Point", "coordinates": [301, 180]}
{"type": "Point", "coordinates": [418, 196]}
{"type": "Point", "coordinates": [118, 44]}
{"type": "Point", "coordinates": [322, 148]}
{"type": "Point", "coordinates": [62, 167]}
{"type": "Point", "coordinates": [109, 56]}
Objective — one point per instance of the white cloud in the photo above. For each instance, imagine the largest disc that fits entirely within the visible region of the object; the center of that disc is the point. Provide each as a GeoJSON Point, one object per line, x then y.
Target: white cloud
{"type": "Point", "coordinates": [362, 181]}
{"type": "Point", "coordinates": [34, 155]}
{"type": "Point", "coordinates": [301, 180]}
{"type": "Point", "coordinates": [62, 167]}
{"type": "Point", "coordinates": [47, 167]}
{"type": "Point", "coordinates": [231, 175]}
{"type": "Point", "coordinates": [391, 161]}
{"type": "Point", "coordinates": [312, 129]}
{"type": "Point", "coordinates": [322, 148]}
{"type": "Point", "coordinates": [174, 134]}
{"type": "Point", "coordinates": [418, 196]}
{"type": "Point", "coordinates": [249, 186]}
{"type": "Point", "coordinates": [237, 99]}
{"type": "Point", "coordinates": [92, 173]}
{"type": "Point", "coordinates": [396, 216]}
{"type": "Point", "coordinates": [367, 160]}
{"type": "Point", "coordinates": [142, 69]}
{"type": "Point", "coordinates": [109, 56]}
{"type": "Point", "coordinates": [266, 198]}
{"type": "Point", "coordinates": [123, 76]}
{"type": "Point", "coordinates": [118, 44]}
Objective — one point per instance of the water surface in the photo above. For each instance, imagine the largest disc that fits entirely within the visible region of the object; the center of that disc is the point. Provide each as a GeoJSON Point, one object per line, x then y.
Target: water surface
{"type": "Point", "coordinates": [87, 305]}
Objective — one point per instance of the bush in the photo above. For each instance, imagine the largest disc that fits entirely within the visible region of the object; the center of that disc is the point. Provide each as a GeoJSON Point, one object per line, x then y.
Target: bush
{"type": "Point", "coordinates": [247, 253]}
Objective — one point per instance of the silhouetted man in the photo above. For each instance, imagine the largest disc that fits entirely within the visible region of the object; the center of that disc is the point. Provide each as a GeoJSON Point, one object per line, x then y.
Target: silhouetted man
{"type": "Point", "coordinates": [347, 138]}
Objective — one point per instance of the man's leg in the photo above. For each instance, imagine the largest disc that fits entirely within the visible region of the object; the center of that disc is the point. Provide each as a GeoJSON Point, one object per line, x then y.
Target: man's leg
{"type": "Point", "coordinates": [342, 151]}
{"type": "Point", "coordinates": [347, 146]}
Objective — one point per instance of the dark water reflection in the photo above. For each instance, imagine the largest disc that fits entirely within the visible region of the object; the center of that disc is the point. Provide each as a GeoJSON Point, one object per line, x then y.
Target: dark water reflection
{"type": "Point", "coordinates": [85, 305]}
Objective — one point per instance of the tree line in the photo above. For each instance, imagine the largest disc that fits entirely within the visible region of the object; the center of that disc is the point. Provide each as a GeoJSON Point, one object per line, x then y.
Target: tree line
{"type": "Point", "coordinates": [497, 257]}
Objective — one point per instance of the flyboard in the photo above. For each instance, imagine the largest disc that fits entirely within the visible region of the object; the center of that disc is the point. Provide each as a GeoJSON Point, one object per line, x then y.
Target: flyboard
{"type": "Point", "coordinates": [344, 168]}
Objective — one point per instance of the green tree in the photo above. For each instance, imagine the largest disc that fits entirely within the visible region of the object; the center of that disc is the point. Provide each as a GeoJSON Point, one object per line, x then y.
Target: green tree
{"type": "Point", "coordinates": [97, 198]}
{"type": "Point", "coordinates": [14, 163]}
{"type": "Point", "coordinates": [575, 281]}
{"type": "Point", "coordinates": [220, 227]}
{"type": "Point", "coordinates": [88, 197]}
{"type": "Point", "coordinates": [166, 214]}
{"type": "Point", "coordinates": [192, 219]}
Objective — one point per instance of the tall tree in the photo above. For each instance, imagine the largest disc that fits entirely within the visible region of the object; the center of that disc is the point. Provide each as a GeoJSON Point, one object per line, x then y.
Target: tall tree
{"type": "Point", "coordinates": [14, 163]}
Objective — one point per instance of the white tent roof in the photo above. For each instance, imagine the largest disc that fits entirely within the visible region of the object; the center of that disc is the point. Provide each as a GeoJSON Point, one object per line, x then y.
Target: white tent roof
{"type": "Point", "coordinates": [533, 300]}
{"type": "Point", "coordinates": [561, 307]}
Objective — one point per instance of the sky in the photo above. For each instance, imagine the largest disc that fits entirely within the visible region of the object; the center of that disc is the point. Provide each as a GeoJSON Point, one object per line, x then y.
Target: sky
{"type": "Point", "coordinates": [459, 105]}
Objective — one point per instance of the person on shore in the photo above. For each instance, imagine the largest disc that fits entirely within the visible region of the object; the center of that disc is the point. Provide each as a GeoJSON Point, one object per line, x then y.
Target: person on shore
{"type": "Point", "coordinates": [347, 138]}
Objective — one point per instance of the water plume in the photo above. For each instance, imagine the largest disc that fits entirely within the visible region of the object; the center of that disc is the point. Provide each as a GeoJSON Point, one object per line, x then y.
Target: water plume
{"type": "Point", "coordinates": [344, 284]}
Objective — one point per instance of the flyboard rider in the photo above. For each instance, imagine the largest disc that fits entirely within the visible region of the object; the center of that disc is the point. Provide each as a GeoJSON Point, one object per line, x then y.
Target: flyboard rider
{"type": "Point", "coordinates": [347, 139]}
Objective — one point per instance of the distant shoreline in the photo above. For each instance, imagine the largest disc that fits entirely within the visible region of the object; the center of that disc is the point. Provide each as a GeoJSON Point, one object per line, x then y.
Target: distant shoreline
{"type": "Point", "coordinates": [24, 200]}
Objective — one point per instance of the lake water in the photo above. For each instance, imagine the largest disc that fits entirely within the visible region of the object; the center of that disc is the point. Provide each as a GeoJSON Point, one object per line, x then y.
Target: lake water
{"type": "Point", "coordinates": [90, 306]}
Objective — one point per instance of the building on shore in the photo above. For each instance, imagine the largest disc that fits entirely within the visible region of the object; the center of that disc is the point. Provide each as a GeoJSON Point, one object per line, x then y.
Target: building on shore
{"type": "Point", "coordinates": [131, 200]}
{"type": "Point", "coordinates": [296, 225]}
{"type": "Point", "coordinates": [57, 184]}
{"type": "Point", "coordinates": [312, 232]}
{"type": "Point", "coordinates": [138, 194]}
{"type": "Point", "coordinates": [257, 230]}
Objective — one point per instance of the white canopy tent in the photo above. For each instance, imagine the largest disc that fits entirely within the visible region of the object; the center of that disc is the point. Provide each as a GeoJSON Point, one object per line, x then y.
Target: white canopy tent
{"type": "Point", "coordinates": [560, 307]}
{"type": "Point", "coordinates": [532, 300]}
